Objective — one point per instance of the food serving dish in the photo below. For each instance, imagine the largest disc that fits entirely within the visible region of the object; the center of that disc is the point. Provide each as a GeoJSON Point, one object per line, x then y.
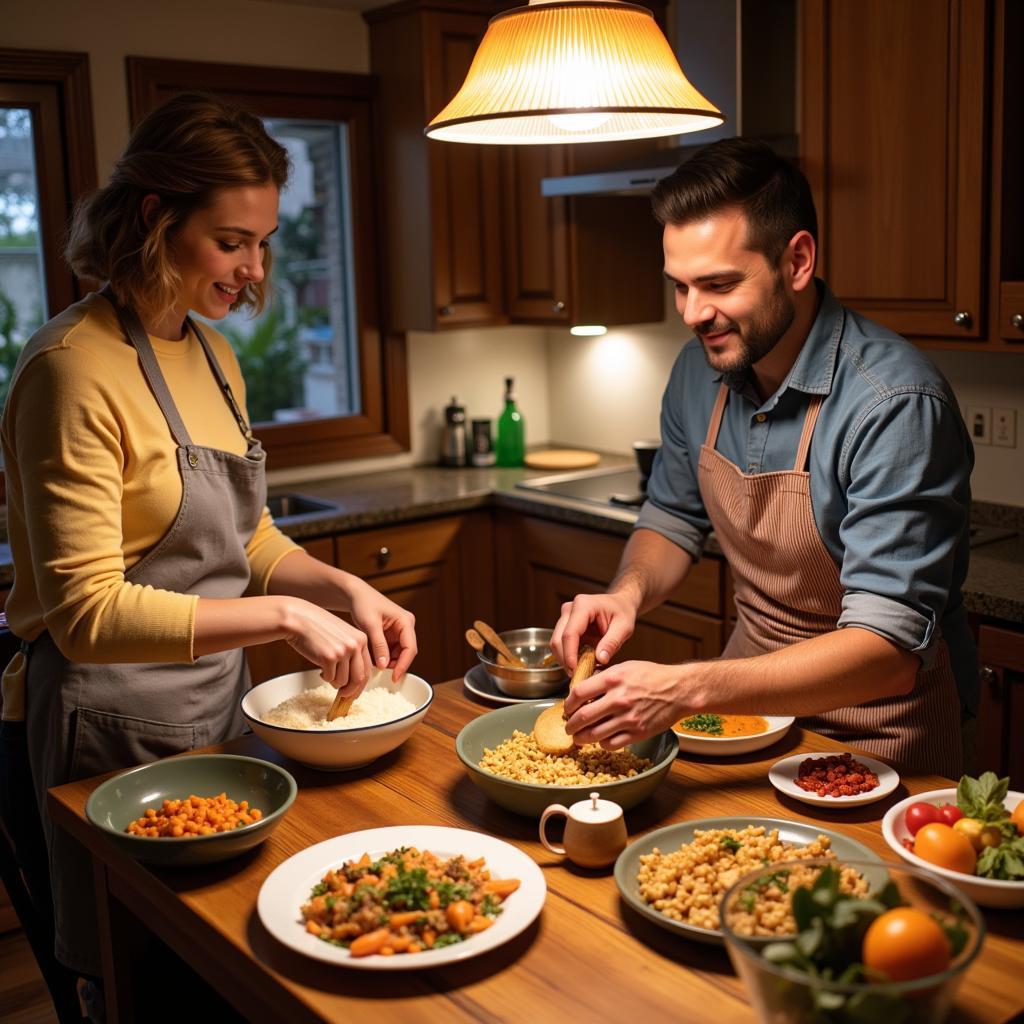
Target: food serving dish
{"type": "Point", "coordinates": [114, 804]}
{"type": "Point", "coordinates": [480, 684]}
{"type": "Point", "coordinates": [987, 892]}
{"type": "Point", "coordinates": [726, 746]}
{"type": "Point", "coordinates": [493, 727]}
{"type": "Point", "coordinates": [782, 776]}
{"type": "Point", "coordinates": [533, 645]}
{"type": "Point", "coordinates": [670, 838]}
{"type": "Point", "coordinates": [288, 886]}
{"type": "Point", "coordinates": [334, 749]}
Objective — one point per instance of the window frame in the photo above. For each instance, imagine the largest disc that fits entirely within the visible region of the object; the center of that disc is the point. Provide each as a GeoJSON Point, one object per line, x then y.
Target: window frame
{"type": "Point", "coordinates": [56, 85]}
{"type": "Point", "coordinates": [382, 427]}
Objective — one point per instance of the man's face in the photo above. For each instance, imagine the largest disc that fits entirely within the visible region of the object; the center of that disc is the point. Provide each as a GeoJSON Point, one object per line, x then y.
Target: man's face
{"type": "Point", "coordinates": [731, 297]}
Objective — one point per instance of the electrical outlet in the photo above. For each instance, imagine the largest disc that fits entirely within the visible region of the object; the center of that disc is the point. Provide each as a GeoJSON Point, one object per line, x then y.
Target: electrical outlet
{"type": "Point", "coordinates": [979, 423]}
{"type": "Point", "coordinates": [1004, 427]}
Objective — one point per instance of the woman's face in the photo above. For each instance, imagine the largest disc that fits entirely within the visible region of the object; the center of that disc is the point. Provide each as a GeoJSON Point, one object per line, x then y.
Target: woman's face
{"type": "Point", "coordinates": [220, 248]}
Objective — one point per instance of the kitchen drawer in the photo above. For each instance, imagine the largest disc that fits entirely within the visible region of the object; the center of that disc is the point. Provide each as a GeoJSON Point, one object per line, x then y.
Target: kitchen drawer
{"type": "Point", "coordinates": [1011, 305]}
{"type": "Point", "coordinates": [369, 553]}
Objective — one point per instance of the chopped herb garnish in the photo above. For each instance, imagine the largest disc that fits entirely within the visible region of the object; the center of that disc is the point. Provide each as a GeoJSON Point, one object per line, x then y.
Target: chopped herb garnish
{"type": "Point", "coordinates": [711, 724]}
{"type": "Point", "coordinates": [447, 939]}
{"type": "Point", "coordinates": [731, 844]}
{"type": "Point", "coordinates": [318, 890]}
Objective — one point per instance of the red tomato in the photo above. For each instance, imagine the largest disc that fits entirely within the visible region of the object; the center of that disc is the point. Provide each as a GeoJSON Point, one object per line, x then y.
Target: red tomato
{"type": "Point", "coordinates": [918, 815]}
{"type": "Point", "coordinates": [950, 814]}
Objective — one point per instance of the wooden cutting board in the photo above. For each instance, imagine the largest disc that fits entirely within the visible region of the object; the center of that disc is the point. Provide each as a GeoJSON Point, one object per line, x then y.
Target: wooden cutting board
{"type": "Point", "coordinates": [562, 458]}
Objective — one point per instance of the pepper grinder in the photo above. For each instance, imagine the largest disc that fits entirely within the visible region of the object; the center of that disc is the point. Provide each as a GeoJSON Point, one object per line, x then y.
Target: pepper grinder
{"type": "Point", "coordinates": [453, 438]}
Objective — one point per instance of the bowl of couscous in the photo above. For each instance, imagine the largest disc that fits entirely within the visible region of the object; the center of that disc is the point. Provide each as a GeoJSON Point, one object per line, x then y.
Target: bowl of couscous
{"type": "Point", "coordinates": [192, 809]}
{"type": "Point", "coordinates": [289, 713]}
{"type": "Point", "coordinates": [501, 758]}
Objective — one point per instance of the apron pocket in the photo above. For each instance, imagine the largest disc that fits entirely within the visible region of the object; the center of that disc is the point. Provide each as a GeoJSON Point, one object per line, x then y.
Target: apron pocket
{"type": "Point", "coordinates": [104, 742]}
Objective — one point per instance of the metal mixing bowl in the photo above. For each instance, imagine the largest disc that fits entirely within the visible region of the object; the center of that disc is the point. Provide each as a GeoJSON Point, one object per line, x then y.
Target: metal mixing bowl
{"type": "Point", "coordinates": [532, 645]}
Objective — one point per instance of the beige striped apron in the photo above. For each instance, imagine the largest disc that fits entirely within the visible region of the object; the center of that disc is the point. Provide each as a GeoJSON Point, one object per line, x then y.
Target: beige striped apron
{"type": "Point", "coordinates": [788, 589]}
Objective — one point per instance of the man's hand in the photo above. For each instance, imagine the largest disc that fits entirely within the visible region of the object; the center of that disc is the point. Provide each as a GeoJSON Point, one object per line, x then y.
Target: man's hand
{"type": "Point", "coordinates": [606, 621]}
{"type": "Point", "coordinates": [626, 703]}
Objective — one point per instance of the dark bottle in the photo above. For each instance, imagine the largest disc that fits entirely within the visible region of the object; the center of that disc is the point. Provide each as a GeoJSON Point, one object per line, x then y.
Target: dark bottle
{"type": "Point", "coordinates": [453, 439]}
{"type": "Point", "coordinates": [509, 445]}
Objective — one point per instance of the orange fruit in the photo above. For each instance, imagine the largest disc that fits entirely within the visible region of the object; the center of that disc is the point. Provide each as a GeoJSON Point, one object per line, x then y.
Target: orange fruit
{"type": "Point", "coordinates": [1017, 817]}
{"type": "Point", "coordinates": [906, 944]}
{"type": "Point", "coordinates": [941, 845]}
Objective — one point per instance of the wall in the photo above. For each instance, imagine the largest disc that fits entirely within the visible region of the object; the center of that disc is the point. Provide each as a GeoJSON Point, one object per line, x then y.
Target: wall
{"type": "Point", "coordinates": [623, 375]}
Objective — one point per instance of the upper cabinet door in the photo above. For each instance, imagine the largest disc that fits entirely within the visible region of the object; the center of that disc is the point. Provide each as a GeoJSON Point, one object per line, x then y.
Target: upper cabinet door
{"type": "Point", "coordinates": [893, 114]}
{"type": "Point", "coordinates": [464, 186]}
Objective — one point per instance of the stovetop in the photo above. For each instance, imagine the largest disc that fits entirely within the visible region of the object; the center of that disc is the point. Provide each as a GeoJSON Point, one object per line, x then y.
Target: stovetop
{"type": "Point", "coordinates": [615, 487]}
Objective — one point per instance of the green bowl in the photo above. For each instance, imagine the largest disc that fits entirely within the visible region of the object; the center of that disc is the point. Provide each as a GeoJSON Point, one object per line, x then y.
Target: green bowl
{"type": "Point", "coordinates": [116, 803]}
{"type": "Point", "coordinates": [490, 729]}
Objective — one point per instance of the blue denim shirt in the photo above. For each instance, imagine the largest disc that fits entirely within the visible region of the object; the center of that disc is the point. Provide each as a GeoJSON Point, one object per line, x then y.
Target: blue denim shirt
{"type": "Point", "coordinates": [890, 466]}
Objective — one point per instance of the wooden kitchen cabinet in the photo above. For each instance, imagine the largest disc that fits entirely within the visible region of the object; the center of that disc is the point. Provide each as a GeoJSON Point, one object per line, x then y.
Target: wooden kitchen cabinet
{"type": "Point", "coordinates": [541, 564]}
{"type": "Point", "coordinates": [439, 569]}
{"type": "Point", "coordinates": [470, 240]}
{"type": "Point", "coordinates": [894, 107]}
{"type": "Point", "coordinates": [1001, 707]}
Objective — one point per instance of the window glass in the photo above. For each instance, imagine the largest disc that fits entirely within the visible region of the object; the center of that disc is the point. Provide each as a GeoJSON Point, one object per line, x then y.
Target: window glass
{"type": "Point", "coordinates": [22, 276]}
{"type": "Point", "coordinates": [299, 358]}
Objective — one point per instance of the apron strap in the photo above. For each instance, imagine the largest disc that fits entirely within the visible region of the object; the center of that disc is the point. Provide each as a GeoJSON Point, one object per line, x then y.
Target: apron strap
{"type": "Point", "coordinates": [716, 416]}
{"type": "Point", "coordinates": [810, 419]}
{"type": "Point", "coordinates": [139, 339]}
{"type": "Point", "coordinates": [225, 387]}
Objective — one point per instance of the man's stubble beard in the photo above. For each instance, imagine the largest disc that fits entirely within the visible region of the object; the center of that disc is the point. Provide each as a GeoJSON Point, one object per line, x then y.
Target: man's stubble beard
{"type": "Point", "coordinates": [759, 338]}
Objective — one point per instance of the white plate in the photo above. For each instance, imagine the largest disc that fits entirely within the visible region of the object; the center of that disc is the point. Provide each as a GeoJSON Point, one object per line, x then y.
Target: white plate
{"type": "Point", "coordinates": [711, 746]}
{"type": "Point", "coordinates": [670, 838]}
{"type": "Point", "coordinates": [482, 685]}
{"type": "Point", "coordinates": [783, 773]}
{"type": "Point", "coordinates": [987, 892]}
{"type": "Point", "coordinates": [287, 887]}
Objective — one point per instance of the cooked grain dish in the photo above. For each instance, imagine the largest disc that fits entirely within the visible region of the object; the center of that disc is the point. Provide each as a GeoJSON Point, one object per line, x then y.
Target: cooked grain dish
{"type": "Point", "coordinates": [520, 759]}
{"type": "Point", "coordinates": [308, 710]}
{"type": "Point", "coordinates": [687, 884]}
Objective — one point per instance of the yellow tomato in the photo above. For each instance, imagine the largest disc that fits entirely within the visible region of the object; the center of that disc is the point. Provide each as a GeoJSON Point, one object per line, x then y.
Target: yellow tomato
{"type": "Point", "coordinates": [1018, 818]}
{"type": "Point", "coordinates": [978, 834]}
{"type": "Point", "coordinates": [906, 944]}
{"type": "Point", "coordinates": [939, 844]}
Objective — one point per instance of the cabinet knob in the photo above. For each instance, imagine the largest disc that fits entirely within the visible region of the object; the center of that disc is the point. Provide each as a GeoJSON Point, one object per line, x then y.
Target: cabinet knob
{"type": "Point", "coordinates": [1017, 320]}
{"type": "Point", "coordinates": [557, 307]}
{"type": "Point", "coordinates": [988, 676]}
{"type": "Point", "coordinates": [445, 311]}
{"type": "Point", "coordinates": [962, 319]}
{"type": "Point", "coordinates": [383, 556]}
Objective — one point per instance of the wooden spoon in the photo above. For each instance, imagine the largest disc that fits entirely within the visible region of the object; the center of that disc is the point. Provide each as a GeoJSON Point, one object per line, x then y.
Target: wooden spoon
{"type": "Point", "coordinates": [498, 644]}
{"type": "Point", "coordinates": [340, 707]}
{"type": "Point", "coordinates": [549, 730]}
{"type": "Point", "coordinates": [477, 642]}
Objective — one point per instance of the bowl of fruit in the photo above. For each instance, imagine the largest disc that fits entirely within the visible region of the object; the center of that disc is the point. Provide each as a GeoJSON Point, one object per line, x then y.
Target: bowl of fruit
{"type": "Point", "coordinates": [972, 835]}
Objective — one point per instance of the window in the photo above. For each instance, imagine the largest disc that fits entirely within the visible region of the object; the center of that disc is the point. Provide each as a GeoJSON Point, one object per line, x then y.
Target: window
{"type": "Point", "coordinates": [324, 382]}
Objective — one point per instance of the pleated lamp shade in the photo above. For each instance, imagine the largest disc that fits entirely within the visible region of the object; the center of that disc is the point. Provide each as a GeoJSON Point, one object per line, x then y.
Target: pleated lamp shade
{"type": "Point", "coordinates": [573, 71]}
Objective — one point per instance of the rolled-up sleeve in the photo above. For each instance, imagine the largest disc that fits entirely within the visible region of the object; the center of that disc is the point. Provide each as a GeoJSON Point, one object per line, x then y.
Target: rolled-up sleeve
{"type": "Point", "coordinates": [905, 467]}
{"type": "Point", "coordinates": [674, 507]}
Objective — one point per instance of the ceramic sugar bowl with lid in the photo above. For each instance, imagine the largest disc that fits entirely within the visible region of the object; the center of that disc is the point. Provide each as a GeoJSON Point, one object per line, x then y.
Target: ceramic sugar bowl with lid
{"type": "Point", "coordinates": [595, 831]}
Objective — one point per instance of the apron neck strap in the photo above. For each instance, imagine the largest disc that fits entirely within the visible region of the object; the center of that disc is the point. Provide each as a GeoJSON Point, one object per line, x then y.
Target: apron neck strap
{"type": "Point", "coordinates": [810, 419]}
{"type": "Point", "coordinates": [716, 416]}
{"type": "Point", "coordinates": [225, 387]}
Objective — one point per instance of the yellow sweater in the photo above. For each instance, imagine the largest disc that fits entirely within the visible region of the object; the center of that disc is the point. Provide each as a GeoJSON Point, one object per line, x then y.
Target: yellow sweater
{"type": "Point", "coordinates": [93, 484]}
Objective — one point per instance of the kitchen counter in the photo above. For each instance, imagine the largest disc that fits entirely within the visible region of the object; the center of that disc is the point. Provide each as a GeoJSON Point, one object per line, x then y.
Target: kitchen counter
{"type": "Point", "coordinates": [588, 957]}
{"type": "Point", "coordinates": [994, 585]}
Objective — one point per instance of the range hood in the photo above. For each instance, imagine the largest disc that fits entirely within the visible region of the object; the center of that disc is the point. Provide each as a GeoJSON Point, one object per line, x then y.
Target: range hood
{"type": "Point", "coordinates": [741, 54]}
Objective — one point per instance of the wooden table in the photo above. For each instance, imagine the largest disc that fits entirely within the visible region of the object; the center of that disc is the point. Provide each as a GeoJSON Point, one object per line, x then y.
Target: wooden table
{"type": "Point", "coordinates": [588, 956]}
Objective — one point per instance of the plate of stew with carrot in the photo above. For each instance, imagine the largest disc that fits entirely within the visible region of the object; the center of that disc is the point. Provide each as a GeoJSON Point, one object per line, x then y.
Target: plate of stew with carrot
{"type": "Point", "coordinates": [402, 898]}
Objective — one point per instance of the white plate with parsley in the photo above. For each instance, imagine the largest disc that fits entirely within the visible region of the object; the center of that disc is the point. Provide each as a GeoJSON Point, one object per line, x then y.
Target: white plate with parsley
{"type": "Point", "coordinates": [291, 884]}
{"type": "Point", "coordinates": [712, 743]}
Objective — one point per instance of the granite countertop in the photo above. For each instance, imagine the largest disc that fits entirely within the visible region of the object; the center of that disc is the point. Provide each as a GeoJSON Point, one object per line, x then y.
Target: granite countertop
{"type": "Point", "coordinates": [994, 585]}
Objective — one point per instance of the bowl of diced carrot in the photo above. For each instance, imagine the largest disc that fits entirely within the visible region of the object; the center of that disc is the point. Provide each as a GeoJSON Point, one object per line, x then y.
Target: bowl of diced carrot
{"type": "Point", "coordinates": [192, 809]}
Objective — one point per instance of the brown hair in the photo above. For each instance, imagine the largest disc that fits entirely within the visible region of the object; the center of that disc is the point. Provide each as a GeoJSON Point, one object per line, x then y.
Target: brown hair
{"type": "Point", "coordinates": [744, 174]}
{"type": "Point", "coordinates": [184, 152]}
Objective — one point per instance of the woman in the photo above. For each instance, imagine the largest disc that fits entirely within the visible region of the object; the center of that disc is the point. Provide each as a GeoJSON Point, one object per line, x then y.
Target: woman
{"type": "Point", "coordinates": [145, 558]}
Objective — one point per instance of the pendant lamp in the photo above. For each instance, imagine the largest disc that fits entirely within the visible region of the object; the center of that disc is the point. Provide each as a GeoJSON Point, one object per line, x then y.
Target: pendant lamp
{"type": "Point", "coordinates": [562, 71]}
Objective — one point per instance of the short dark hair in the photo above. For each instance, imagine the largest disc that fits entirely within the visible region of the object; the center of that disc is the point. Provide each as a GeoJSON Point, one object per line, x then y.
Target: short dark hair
{"type": "Point", "coordinates": [745, 174]}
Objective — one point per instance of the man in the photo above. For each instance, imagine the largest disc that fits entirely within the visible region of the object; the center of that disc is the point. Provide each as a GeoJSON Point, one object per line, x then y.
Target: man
{"type": "Point", "coordinates": [829, 457]}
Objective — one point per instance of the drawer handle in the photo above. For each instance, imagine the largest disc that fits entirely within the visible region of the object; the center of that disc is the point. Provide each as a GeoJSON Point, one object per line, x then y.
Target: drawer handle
{"type": "Point", "coordinates": [383, 556]}
{"type": "Point", "coordinates": [1017, 320]}
{"type": "Point", "coordinates": [989, 677]}
{"type": "Point", "coordinates": [963, 319]}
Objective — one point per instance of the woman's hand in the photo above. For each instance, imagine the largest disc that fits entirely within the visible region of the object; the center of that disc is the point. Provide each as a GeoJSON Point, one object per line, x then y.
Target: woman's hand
{"type": "Point", "coordinates": [339, 650]}
{"type": "Point", "coordinates": [390, 628]}
{"type": "Point", "coordinates": [626, 703]}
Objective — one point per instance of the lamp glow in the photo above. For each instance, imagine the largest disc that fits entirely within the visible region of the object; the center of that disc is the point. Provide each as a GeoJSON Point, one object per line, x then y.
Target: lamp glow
{"type": "Point", "coordinates": [573, 71]}
{"type": "Point", "coordinates": [588, 330]}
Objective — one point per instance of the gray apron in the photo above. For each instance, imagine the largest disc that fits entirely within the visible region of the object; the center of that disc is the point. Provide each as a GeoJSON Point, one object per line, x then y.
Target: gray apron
{"type": "Point", "coordinates": [85, 719]}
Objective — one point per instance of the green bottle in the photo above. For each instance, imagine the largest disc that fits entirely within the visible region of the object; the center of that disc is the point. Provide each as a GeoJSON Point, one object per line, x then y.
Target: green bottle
{"type": "Point", "coordinates": [509, 445]}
